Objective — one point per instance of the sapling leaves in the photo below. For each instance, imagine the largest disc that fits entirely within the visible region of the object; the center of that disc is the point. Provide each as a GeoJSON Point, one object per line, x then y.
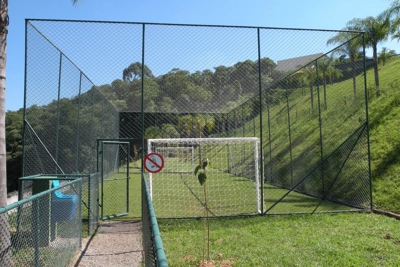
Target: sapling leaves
{"type": "Point", "coordinates": [202, 178]}
{"type": "Point", "coordinates": [197, 169]}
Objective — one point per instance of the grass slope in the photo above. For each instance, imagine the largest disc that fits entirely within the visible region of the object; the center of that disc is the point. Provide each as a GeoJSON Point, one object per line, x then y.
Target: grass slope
{"type": "Point", "coordinates": [356, 239]}
{"type": "Point", "coordinates": [384, 114]}
{"type": "Point", "coordinates": [344, 114]}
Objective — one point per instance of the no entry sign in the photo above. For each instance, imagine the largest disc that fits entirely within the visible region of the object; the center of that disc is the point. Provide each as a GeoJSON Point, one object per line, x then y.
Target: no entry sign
{"type": "Point", "coordinates": [153, 162]}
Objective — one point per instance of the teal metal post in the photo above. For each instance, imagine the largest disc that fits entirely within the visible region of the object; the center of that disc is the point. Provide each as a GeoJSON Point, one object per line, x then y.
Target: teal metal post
{"type": "Point", "coordinates": [320, 131]}
{"type": "Point", "coordinates": [261, 134]}
{"type": "Point", "coordinates": [36, 230]}
{"type": "Point", "coordinates": [142, 96]}
{"type": "Point", "coordinates": [25, 83]}
{"type": "Point", "coordinates": [367, 118]}
{"type": "Point", "coordinates": [127, 176]}
{"type": "Point", "coordinates": [58, 109]}
{"type": "Point", "coordinates": [101, 151]}
{"type": "Point", "coordinates": [243, 122]}
{"type": "Point", "coordinates": [290, 136]}
{"type": "Point", "coordinates": [78, 124]}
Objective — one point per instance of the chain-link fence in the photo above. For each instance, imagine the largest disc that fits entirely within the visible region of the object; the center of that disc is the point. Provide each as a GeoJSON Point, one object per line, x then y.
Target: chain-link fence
{"type": "Point", "coordinates": [301, 92]}
{"type": "Point", "coordinates": [43, 229]}
{"type": "Point", "coordinates": [89, 201]}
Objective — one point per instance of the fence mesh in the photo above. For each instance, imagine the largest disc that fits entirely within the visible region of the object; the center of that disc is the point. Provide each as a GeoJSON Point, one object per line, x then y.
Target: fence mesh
{"type": "Point", "coordinates": [301, 92]}
{"type": "Point", "coordinates": [114, 170]}
{"type": "Point", "coordinates": [31, 185]}
{"type": "Point", "coordinates": [41, 230]}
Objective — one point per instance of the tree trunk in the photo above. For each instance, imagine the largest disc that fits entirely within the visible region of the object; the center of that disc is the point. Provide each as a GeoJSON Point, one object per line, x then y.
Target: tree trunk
{"type": "Point", "coordinates": [376, 74]}
{"type": "Point", "coordinates": [353, 66]}
{"type": "Point", "coordinates": [312, 97]}
{"type": "Point", "coordinates": [5, 241]}
{"type": "Point", "coordinates": [325, 99]}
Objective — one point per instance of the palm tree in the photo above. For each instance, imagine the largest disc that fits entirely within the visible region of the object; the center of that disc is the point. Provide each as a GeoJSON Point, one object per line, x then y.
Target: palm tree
{"type": "Point", "coordinates": [199, 123]}
{"type": "Point", "coordinates": [392, 11]}
{"type": "Point", "coordinates": [308, 75]}
{"type": "Point", "coordinates": [324, 64]}
{"type": "Point", "coordinates": [385, 55]}
{"type": "Point", "coordinates": [376, 30]}
{"type": "Point", "coordinates": [396, 35]}
{"type": "Point", "coordinates": [333, 73]}
{"type": "Point", "coordinates": [185, 125]}
{"type": "Point", "coordinates": [350, 46]}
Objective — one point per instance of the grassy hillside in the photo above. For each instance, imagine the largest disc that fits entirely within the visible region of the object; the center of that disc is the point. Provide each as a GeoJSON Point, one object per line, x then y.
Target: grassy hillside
{"type": "Point", "coordinates": [384, 112]}
{"type": "Point", "coordinates": [343, 115]}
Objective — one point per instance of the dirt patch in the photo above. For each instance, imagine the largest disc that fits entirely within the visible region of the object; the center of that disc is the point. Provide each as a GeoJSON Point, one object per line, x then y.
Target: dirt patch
{"type": "Point", "coordinates": [117, 244]}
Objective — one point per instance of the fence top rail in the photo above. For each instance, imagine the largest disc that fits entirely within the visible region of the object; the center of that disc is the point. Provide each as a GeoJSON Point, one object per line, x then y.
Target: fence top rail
{"type": "Point", "coordinates": [115, 142]}
{"type": "Point", "coordinates": [194, 140]}
{"type": "Point", "coordinates": [38, 195]}
{"type": "Point", "coordinates": [192, 25]}
{"type": "Point", "coordinates": [57, 176]}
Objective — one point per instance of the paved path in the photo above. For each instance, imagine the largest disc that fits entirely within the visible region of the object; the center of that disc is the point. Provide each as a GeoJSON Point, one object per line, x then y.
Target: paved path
{"type": "Point", "coordinates": [117, 244]}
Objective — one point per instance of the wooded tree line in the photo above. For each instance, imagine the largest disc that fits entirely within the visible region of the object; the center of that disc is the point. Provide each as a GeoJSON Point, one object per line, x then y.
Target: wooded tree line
{"type": "Point", "coordinates": [180, 91]}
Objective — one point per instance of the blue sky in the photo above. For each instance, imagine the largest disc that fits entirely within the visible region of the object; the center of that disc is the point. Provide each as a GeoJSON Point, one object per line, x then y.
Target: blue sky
{"type": "Point", "coordinates": [309, 14]}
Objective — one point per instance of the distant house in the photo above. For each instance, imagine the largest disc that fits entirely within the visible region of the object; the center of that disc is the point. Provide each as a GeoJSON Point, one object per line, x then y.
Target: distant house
{"type": "Point", "coordinates": [296, 63]}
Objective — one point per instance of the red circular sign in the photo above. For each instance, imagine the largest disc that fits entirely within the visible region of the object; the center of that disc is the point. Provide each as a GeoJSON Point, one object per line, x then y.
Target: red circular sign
{"type": "Point", "coordinates": [153, 162]}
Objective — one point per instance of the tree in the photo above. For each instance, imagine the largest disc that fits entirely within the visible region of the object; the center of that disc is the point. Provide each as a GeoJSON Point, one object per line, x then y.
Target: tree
{"type": "Point", "coordinates": [392, 11]}
{"type": "Point", "coordinates": [377, 29]}
{"type": "Point", "coordinates": [185, 124]}
{"type": "Point", "coordinates": [134, 72]}
{"type": "Point", "coordinates": [350, 47]}
{"type": "Point", "coordinates": [3, 53]}
{"type": "Point", "coordinates": [393, 14]}
{"type": "Point", "coordinates": [385, 55]}
{"type": "Point", "coordinates": [396, 35]}
{"type": "Point", "coordinates": [334, 73]}
{"type": "Point", "coordinates": [308, 75]}
{"type": "Point", "coordinates": [222, 89]}
{"type": "Point", "coordinates": [324, 64]}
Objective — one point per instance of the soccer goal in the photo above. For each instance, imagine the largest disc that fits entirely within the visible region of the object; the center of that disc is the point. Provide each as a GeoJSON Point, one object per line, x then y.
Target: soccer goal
{"type": "Point", "coordinates": [180, 159]}
{"type": "Point", "coordinates": [233, 184]}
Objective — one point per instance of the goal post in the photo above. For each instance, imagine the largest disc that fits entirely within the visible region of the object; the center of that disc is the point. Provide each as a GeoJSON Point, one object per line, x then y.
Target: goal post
{"type": "Point", "coordinates": [234, 177]}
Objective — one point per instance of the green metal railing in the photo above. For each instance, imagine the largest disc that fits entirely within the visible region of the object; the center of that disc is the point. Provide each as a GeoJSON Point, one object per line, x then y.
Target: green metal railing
{"type": "Point", "coordinates": [152, 242]}
{"type": "Point", "coordinates": [90, 193]}
{"type": "Point", "coordinates": [43, 229]}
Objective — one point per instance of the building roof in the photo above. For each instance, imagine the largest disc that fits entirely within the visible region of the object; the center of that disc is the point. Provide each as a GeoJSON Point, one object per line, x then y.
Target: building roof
{"type": "Point", "coordinates": [296, 62]}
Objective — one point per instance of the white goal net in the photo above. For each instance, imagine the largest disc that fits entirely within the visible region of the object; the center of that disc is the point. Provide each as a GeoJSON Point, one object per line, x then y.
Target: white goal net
{"type": "Point", "coordinates": [233, 182]}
